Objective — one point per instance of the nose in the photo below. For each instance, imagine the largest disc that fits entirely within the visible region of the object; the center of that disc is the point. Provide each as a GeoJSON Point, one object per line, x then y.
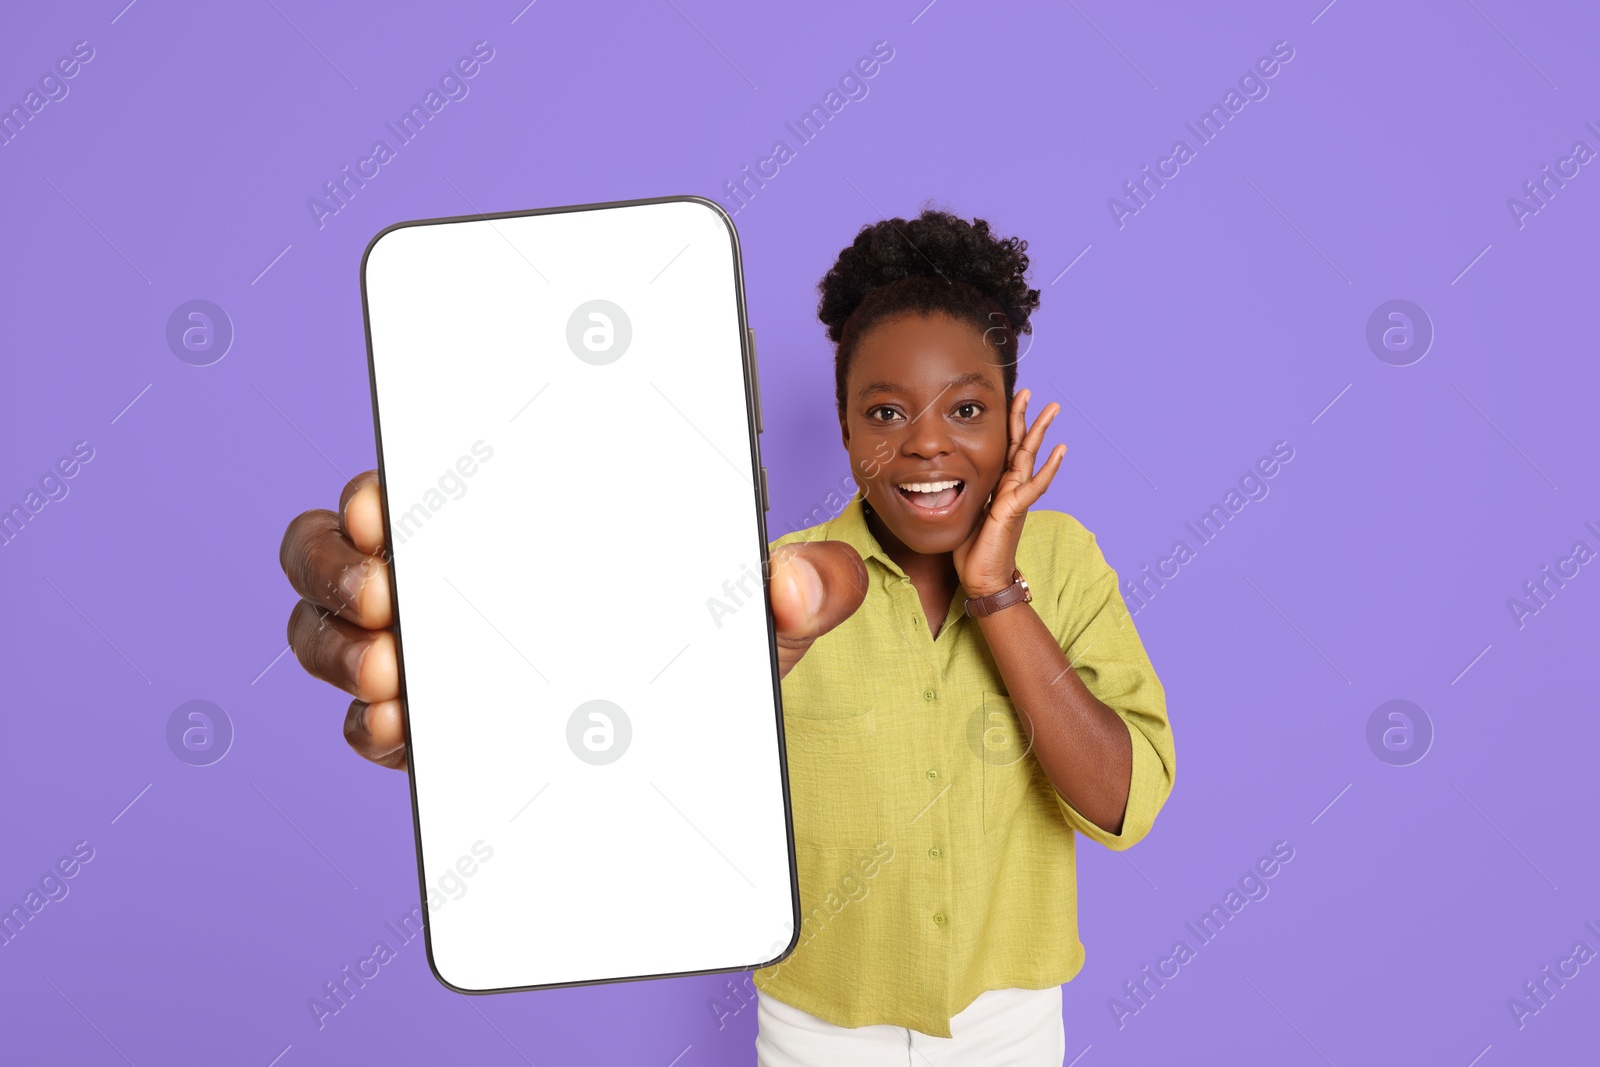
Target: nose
{"type": "Point", "coordinates": [926, 436]}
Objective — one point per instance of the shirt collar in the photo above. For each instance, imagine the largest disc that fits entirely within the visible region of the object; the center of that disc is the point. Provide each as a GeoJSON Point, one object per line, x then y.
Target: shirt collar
{"type": "Point", "coordinates": [850, 526]}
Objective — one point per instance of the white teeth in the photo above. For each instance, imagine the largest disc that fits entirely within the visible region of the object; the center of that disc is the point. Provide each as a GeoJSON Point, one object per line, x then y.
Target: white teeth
{"type": "Point", "coordinates": [927, 487]}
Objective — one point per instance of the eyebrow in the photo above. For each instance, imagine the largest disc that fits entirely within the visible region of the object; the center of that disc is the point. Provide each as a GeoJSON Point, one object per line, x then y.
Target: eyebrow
{"type": "Point", "coordinates": [970, 378]}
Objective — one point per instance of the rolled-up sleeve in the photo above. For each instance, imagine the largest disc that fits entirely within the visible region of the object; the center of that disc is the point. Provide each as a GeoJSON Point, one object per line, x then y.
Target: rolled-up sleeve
{"type": "Point", "coordinates": [1104, 648]}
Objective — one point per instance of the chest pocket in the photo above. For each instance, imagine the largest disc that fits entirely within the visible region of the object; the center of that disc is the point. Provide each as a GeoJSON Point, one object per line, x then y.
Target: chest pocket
{"type": "Point", "coordinates": [1007, 767]}
{"type": "Point", "coordinates": [835, 786]}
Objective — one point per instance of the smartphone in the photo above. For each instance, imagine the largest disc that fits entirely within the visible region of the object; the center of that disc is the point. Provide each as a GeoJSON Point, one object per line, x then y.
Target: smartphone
{"type": "Point", "coordinates": [567, 423]}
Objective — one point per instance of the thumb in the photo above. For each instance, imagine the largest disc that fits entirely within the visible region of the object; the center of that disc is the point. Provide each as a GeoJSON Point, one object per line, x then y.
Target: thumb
{"type": "Point", "coordinates": [815, 586]}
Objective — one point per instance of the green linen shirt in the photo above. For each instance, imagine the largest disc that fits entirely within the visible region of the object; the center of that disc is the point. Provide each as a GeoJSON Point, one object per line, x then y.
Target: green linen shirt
{"type": "Point", "coordinates": [935, 857]}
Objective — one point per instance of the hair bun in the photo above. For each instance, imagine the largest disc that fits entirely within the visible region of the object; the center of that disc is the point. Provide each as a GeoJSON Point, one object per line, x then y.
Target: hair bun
{"type": "Point", "coordinates": [935, 244]}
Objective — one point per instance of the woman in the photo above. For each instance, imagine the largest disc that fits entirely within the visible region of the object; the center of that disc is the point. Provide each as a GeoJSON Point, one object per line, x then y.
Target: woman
{"type": "Point", "coordinates": [967, 694]}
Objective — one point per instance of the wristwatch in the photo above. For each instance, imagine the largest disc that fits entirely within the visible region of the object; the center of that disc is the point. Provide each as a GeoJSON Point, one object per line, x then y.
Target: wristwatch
{"type": "Point", "coordinates": [1015, 593]}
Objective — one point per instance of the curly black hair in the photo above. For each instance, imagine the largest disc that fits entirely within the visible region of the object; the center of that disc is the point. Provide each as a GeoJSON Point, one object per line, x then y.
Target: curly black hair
{"type": "Point", "coordinates": [936, 262]}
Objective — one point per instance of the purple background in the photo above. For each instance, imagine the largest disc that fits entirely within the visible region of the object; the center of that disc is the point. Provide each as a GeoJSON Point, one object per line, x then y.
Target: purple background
{"type": "Point", "coordinates": [1225, 316]}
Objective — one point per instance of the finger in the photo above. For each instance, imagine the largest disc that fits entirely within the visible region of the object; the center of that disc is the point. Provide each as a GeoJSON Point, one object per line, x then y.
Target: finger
{"type": "Point", "coordinates": [377, 732]}
{"type": "Point", "coordinates": [361, 662]}
{"type": "Point", "coordinates": [1040, 482]}
{"type": "Point", "coordinates": [361, 514]}
{"type": "Point", "coordinates": [1029, 450]}
{"type": "Point", "coordinates": [1019, 423]}
{"type": "Point", "coordinates": [814, 586]}
{"type": "Point", "coordinates": [328, 569]}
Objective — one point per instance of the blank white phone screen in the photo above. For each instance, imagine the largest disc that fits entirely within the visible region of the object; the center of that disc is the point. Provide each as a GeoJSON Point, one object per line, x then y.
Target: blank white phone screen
{"type": "Point", "coordinates": [575, 522]}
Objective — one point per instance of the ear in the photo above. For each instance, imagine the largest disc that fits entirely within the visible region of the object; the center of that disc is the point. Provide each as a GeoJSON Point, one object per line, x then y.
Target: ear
{"type": "Point", "coordinates": [844, 431]}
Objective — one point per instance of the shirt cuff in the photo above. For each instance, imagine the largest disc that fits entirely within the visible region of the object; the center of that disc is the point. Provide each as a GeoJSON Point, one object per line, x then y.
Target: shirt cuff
{"type": "Point", "coordinates": [1148, 788]}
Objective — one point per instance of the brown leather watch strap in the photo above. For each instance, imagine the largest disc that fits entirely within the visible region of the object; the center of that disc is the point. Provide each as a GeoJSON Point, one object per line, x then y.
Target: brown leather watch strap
{"type": "Point", "coordinates": [1015, 593]}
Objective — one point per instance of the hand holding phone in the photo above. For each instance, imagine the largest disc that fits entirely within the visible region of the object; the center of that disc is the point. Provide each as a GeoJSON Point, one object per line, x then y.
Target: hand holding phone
{"type": "Point", "coordinates": [337, 562]}
{"type": "Point", "coordinates": [568, 472]}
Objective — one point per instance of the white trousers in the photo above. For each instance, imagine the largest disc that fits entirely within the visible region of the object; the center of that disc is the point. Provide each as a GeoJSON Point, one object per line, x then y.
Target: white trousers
{"type": "Point", "coordinates": [1001, 1028]}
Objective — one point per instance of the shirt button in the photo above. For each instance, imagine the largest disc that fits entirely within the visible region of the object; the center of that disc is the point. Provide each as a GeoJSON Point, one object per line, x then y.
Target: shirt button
{"type": "Point", "coordinates": [938, 917]}
{"type": "Point", "coordinates": [934, 852]}
{"type": "Point", "coordinates": [932, 774]}
{"type": "Point", "coordinates": [927, 694]}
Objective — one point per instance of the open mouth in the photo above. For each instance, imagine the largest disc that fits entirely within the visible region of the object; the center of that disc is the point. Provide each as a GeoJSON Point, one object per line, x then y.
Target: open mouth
{"type": "Point", "coordinates": [931, 500]}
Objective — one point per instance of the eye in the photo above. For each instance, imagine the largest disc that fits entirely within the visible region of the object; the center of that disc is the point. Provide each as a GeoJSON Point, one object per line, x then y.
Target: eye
{"type": "Point", "coordinates": [970, 404]}
{"type": "Point", "coordinates": [874, 411]}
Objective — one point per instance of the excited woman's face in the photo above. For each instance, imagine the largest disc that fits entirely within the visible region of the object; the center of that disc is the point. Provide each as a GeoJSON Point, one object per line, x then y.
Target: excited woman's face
{"type": "Point", "coordinates": [925, 426]}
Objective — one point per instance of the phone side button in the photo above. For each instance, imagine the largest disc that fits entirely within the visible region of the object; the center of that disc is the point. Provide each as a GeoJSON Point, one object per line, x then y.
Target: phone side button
{"type": "Point", "coordinates": [755, 378]}
{"type": "Point", "coordinates": [766, 504]}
